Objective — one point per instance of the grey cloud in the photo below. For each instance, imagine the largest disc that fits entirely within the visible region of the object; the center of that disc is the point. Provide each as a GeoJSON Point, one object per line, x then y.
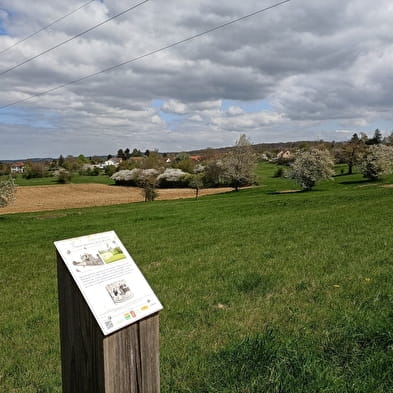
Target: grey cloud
{"type": "Point", "coordinates": [314, 62]}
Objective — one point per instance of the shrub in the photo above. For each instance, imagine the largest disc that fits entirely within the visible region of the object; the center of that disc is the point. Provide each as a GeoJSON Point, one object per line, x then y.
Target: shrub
{"type": "Point", "coordinates": [63, 176]}
{"type": "Point", "coordinates": [110, 170]}
{"type": "Point", "coordinates": [279, 172]}
{"type": "Point", "coordinates": [35, 170]}
{"type": "Point", "coordinates": [7, 192]}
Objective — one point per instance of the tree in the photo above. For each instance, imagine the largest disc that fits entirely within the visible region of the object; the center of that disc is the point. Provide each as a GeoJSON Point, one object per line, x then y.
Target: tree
{"type": "Point", "coordinates": [120, 154]}
{"type": "Point", "coordinates": [136, 153]}
{"type": "Point", "coordinates": [60, 161]}
{"type": "Point", "coordinates": [35, 170]}
{"type": "Point", "coordinates": [148, 182]}
{"type": "Point", "coordinates": [153, 160]}
{"type": "Point", "coordinates": [7, 192]}
{"type": "Point", "coordinates": [4, 169]}
{"type": "Point", "coordinates": [239, 164]}
{"type": "Point", "coordinates": [389, 139]}
{"type": "Point", "coordinates": [311, 166]}
{"type": "Point", "coordinates": [196, 182]}
{"type": "Point", "coordinates": [63, 176]}
{"type": "Point", "coordinates": [213, 173]}
{"type": "Point", "coordinates": [184, 162]}
{"type": "Point", "coordinates": [378, 161]}
{"type": "Point", "coordinates": [376, 139]}
{"type": "Point", "coordinates": [351, 152]}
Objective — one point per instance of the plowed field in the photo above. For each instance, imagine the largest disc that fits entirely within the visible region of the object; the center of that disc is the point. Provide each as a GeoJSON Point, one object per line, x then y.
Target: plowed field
{"type": "Point", "coordinates": [39, 198]}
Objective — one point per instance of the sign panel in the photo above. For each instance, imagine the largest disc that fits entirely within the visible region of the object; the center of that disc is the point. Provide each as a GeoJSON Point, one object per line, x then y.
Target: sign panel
{"type": "Point", "coordinates": [109, 279]}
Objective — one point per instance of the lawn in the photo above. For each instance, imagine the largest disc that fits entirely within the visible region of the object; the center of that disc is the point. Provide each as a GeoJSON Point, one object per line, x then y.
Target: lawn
{"type": "Point", "coordinates": [262, 291]}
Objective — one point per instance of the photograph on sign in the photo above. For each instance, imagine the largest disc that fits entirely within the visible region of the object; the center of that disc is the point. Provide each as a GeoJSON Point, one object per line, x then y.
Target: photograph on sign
{"type": "Point", "coordinates": [109, 279]}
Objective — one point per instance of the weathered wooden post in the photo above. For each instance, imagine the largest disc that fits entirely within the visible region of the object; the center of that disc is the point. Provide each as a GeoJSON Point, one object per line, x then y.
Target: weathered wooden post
{"type": "Point", "coordinates": [124, 360]}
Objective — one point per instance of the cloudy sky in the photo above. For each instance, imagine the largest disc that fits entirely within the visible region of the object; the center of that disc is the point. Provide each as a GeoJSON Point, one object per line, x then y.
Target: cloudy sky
{"type": "Point", "coordinates": [306, 70]}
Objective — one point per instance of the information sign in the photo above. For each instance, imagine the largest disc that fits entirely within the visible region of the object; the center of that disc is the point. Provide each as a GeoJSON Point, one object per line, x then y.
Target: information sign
{"type": "Point", "coordinates": [109, 279]}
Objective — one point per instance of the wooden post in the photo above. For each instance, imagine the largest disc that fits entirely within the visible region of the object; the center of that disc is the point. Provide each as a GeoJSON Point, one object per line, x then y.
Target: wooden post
{"type": "Point", "coordinates": [126, 361]}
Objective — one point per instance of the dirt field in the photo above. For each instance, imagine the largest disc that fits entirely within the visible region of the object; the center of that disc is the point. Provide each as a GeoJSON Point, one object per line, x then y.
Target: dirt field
{"type": "Point", "coordinates": [39, 198]}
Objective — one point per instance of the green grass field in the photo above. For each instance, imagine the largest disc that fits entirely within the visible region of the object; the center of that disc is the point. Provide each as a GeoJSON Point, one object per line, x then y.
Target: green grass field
{"type": "Point", "coordinates": [262, 291]}
{"type": "Point", "coordinates": [48, 181]}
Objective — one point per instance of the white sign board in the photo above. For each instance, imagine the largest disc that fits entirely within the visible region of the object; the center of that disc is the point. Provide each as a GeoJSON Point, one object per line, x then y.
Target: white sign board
{"type": "Point", "coordinates": [110, 281]}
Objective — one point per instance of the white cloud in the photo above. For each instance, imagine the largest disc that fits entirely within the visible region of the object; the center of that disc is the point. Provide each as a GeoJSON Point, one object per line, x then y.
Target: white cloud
{"type": "Point", "coordinates": [322, 66]}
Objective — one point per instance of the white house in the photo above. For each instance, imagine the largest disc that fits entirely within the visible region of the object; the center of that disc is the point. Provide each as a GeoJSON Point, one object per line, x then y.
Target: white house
{"type": "Point", "coordinates": [113, 161]}
{"type": "Point", "coordinates": [17, 167]}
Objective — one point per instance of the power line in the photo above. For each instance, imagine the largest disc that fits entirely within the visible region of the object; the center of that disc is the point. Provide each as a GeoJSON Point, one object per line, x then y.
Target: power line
{"type": "Point", "coordinates": [46, 27]}
{"type": "Point", "coordinates": [74, 37]}
{"type": "Point", "coordinates": [177, 43]}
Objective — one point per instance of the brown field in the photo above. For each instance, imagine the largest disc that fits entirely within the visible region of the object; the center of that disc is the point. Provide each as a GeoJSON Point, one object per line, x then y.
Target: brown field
{"type": "Point", "coordinates": [39, 198]}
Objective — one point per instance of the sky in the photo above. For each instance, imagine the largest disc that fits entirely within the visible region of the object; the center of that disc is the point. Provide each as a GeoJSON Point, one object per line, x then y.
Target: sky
{"type": "Point", "coordinates": [306, 70]}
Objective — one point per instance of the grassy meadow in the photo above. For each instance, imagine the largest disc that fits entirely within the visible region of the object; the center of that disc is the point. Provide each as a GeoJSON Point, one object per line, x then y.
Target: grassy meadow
{"type": "Point", "coordinates": [49, 181]}
{"type": "Point", "coordinates": [263, 292]}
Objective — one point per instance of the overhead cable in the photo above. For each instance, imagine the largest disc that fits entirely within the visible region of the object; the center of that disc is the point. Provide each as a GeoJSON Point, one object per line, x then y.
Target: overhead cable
{"type": "Point", "coordinates": [177, 43]}
{"type": "Point", "coordinates": [73, 37]}
{"type": "Point", "coordinates": [46, 27]}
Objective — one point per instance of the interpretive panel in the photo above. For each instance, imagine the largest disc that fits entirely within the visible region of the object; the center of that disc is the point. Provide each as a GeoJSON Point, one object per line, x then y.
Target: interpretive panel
{"type": "Point", "coordinates": [109, 279]}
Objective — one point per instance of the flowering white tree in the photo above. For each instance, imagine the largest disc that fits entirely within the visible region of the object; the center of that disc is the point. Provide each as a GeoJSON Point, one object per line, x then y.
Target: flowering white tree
{"type": "Point", "coordinates": [239, 164]}
{"type": "Point", "coordinates": [312, 166]}
{"type": "Point", "coordinates": [377, 162]}
{"type": "Point", "coordinates": [7, 192]}
{"type": "Point", "coordinates": [133, 176]}
{"type": "Point", "coordinates": [173, 177]}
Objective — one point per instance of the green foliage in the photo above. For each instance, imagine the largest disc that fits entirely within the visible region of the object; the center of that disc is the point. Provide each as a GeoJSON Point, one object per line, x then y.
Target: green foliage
{"type": "Point", "coordinates": [110, 170]}
{"type": "Point", "coordinates": [351, 152]}
{"type": "Point", "coordinates": [310, 167]}
{"type": "Point", "coordinates": [153, 160]}
{"type": "Point", "coordinates": [184, 162]}
{"type": "Point", "coordinates": [35, 170]}
{"type": "Point", "coordinates": [63, 176]}
{"type": "Point", "coordinates": [279, 172]}
{"type": "Point", "coordinates": [4, 169]}
{"type": "Point", "coordinates": [213, 175]}
{"type": "Point", "coordinates": [196, 182]}
{"type": "Point", "coordinates": [376, 139]}
{"type": "Point", "coordinates": [148, 184]}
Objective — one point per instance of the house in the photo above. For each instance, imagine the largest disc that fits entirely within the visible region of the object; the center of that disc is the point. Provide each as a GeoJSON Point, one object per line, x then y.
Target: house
{"type": "Point", "coordinates": [113, 161]}
{"type": "Point", "coordinates": [17, 167]}
{"type": "Point", "coordinates": [196, 158]}
{"type": "Point", "coordinates": [284, 155]}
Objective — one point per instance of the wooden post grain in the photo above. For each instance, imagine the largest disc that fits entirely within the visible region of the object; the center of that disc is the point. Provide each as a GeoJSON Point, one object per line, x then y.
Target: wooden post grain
{"type": "Point", "coordinates": [126, 361]}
